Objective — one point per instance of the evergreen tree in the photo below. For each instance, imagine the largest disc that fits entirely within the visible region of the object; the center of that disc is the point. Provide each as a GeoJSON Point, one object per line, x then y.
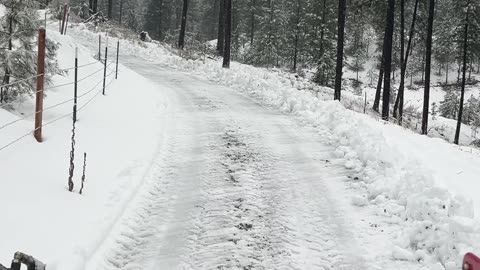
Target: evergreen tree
{"type": "Point", "coordinates": [449, 106]}
{"type": "Point", "coordinates": [428, 56]}
{"type": "Point", "coordinates": [342, 9]}
{"type": "Point", "coordinates": [154, 19]}
{"type": "Point", "coordinates": [18, 49]}
{"type": "Point", "coordinates": [387, 59]}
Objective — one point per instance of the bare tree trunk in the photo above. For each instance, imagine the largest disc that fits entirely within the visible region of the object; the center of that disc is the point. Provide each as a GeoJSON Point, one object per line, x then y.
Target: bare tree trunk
{"type": "Point", "coordinates": [388, 45]}
{"type": "Point", "coordinates": [121, 12]}
{"type": "Point", "coordinates": [221, 28]}
{"type": "Point", "coordinates": [428, 64]}
{"type": "Point", "coordinates": [342, 9]}
{"type": "Point", "coordinates": [402, 57]}
{"type": "Point", "coordinates": [401, 91]}
{"type": "Point", "coordinates": [464, 70]}
{"type": "Point", "coordinates": [6, 77]}
{"type": "Point", "coordinates": [181, 40]}
{"type": "Point", "coordinates": [376, 102]}
{"type": "Point", "coordinates": [160, 15]}
{"type": "Point", "coordinates": [321, 70]}
{"type": "Point", "coordinates": [446, 74]}
{"type": "Point", "coordinates": [252, 21]}
{"type": "Point", "coordinates": [297, 34]}
{"type": "Point", "coordinates": [228, 33]}
{"type": "Point", "coordinates": [110, 9]}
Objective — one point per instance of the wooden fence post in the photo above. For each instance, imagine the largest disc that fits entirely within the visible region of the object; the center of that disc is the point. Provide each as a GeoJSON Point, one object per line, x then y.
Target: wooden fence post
{"type": "Point", "coordinates": [40, 83]}
{"type": "Point", "coordinates": [64, 18]}
{"type": "Point", "coordinates": [99, 47]}
{"type": "Point", "coordinates": [66, 22]}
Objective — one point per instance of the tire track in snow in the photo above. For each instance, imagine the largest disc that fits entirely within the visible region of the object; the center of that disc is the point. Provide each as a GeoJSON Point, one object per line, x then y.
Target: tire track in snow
{"type": "Point", "coordinates": [233, 229]}
{"type": "Point", "coordinates": [237, 189]}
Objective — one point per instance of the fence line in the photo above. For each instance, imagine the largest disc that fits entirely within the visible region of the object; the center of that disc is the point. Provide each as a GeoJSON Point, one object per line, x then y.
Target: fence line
{"type": "Point", "coordinates": [52, 106]}
{"type": "Point", "coordinates": [53, 87]}
{"type": "Point", "coordinates": [59, 118]}
{"type": "Point", "coordinates": [38, 75]}
{"type": "Point", "coordinates": [19, 81]}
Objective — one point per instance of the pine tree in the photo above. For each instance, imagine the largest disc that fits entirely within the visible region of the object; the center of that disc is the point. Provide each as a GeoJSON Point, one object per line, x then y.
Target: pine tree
{"type": "Point", "coordinates": [228, 33]}
{"type": "Point", "coordinates": [320, 39]}
{"type": "Point", "coordinates": [18, 34]}
{"type": "Point", "coordinates": [387, 59]}
{"type": "Point", "coordinates": [154, 19]}
{"type": "Point", "coordinates": [428, 55]}
{"type": "Point", "coordinates": [404, 60]}
{"type": "Point", "coordinates": [356, 48]}
{"type": "Point", "coordinates": [342, 9]}
{"type": "Point", "coordinates": [464, 70]}
{"type": "Point", "coordinates": [221, 27]}
{"type": "Point", "coordinates": [181, 39]}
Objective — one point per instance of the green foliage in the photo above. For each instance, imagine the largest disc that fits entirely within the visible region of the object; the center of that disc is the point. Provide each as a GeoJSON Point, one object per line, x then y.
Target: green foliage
{"type": "Point", "coordinates": [18, 51]}
{"type": "Point", "coordinates": [449, 106]}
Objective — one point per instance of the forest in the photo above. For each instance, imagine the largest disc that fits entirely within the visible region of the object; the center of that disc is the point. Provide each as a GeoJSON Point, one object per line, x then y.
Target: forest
{"type": "Point", "coordinates": [400, 44]}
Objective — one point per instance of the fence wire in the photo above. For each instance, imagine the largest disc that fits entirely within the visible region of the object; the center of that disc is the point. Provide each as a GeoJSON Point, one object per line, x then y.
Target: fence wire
{"type": "Point", "coordinates": [61, 117]}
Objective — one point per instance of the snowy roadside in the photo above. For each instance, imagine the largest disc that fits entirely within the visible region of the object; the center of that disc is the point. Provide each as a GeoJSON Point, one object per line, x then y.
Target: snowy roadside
{"type": "Point", "coordinates": [424, 185]}
{"type": "Point", "coordinates": [39, 216]}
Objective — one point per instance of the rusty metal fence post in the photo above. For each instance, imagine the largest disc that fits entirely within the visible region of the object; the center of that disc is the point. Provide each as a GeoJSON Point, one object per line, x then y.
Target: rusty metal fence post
{"type": "Point", "coordinates": [40, 84]}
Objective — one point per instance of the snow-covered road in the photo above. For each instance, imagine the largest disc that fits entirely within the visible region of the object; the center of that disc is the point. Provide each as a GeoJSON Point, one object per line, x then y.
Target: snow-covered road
{"type": "Point", "coordinates": [234, 186]}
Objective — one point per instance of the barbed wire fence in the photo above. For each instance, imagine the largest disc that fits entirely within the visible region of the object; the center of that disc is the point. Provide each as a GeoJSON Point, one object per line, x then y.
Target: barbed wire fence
{"type": "Point", "coordinates": [88, 95]}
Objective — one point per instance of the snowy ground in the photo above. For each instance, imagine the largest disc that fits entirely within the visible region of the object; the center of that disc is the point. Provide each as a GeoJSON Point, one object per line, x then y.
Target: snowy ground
{"type": "Point", "coordinates": [192, 166]}
{"type": "Point", "coordinates": [38, 215]}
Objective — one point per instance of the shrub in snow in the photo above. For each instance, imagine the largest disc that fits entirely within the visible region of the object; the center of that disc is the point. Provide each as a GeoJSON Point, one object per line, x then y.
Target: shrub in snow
{"type": "Point", "coordinates": [145, 37]}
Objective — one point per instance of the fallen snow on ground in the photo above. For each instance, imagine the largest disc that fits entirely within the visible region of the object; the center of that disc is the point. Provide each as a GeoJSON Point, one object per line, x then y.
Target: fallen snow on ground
{"type": "Point", "coordinates": [38, 215]}
{"type": "Point", "coordinates": [421, 190]}
{"type": "Point", "coordinates": [424, 185]}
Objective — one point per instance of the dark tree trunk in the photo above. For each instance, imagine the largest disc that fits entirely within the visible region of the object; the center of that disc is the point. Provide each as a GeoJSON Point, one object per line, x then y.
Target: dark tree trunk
{"type": "Point", "coordinates": [401, 91]}
{"type": "Point", "coordinates": [95, 6]}
{"type": "Point", "coordinates": [212, 29]}
{"type": "Point", "coordinates": [181, 40]}
{"type": "Point", "coordinates": [321, 70]}
{"type": "Point", "coordinates": [6, 77]}
{"type": "Point", "coordinates": [90, 5]}
{"type": "Point", "coordinates": [221, 28]}
{"type": "Point", "coordinates": [446, 74]}
{"type": "Point", "coordinates": [423, 68]}
{"type": "Point", "coordinates": [178, 14]}
{"type": "Point", "coordinates": [376, 102]}
{"type": "Point", "coordinates": [160, 20]}
{"type": "Point", "coordinates": [121, 12]}
{"type": "Point", "coordinates": [110, 9]}
{"type": "Point", "coordinates": [252, 21]}
{"type": "Point", "coordinates": [464, 70]}
{"type": "Point", "coordinates": [428, 64]}
{"type": "Point", "coordinates": [342, 9]}
{"type": "Point", "coordinates": [228, 33]}
{"type": "Point", "coordinates": [387, 48]}
{"type": "Point", "coordinates": [402, 58]}
{"type": "Point", "coordinates": [297, 34]}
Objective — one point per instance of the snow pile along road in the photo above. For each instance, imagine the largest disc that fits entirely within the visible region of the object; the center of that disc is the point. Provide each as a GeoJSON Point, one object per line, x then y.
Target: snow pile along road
{"type": "Point", "coordinates": [391, 176]}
